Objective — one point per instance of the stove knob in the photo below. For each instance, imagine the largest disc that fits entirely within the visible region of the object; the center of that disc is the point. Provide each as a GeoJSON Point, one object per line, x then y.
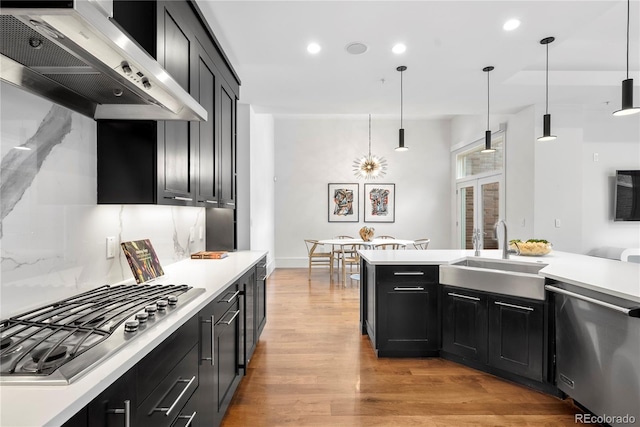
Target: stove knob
{"type": "Point", "coordinates": [173, 300]}
{"type": "Point", "coordinates": [131, 326]}
{"type": "Point", "coordinates": [151, 309]}
{"type": "Point", "coordinates": [162, 304]}
{"type": "Point", "coordinates": [142, 317]}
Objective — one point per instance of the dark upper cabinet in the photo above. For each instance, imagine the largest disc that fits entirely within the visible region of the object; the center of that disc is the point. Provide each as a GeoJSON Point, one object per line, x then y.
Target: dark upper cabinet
{"type": "Point", "coordinates": [174, 162]}
{"type": "Point", "coordinates": [227, 147]}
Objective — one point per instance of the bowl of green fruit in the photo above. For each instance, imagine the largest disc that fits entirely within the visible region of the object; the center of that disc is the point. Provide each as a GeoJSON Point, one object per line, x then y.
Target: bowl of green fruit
{"type": "Point", "coordinates": [532, 247]}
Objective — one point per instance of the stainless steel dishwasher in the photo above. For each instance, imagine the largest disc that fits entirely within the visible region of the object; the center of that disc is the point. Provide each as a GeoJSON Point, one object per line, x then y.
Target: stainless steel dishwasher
{"type": "Point", "coordinates": [598, 352]}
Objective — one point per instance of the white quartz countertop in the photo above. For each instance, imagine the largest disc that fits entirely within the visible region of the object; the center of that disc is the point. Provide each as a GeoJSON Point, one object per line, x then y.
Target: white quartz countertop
{"type": "Point", "coordinates": [617, 278]}
{"type": "Point", "coordinates": [53, 405]}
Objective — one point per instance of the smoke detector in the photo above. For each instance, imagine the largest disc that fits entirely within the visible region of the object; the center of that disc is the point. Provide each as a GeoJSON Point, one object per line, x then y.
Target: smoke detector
{"type": "Point", "coordinates": [356, 48]}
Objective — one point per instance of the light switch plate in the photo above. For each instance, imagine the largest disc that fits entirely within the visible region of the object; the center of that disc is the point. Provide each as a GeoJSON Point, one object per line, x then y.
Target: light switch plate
{"type": "Point", "coordinates": [557, 222]}
{"type": "Point", "coordinates": [111, 247]}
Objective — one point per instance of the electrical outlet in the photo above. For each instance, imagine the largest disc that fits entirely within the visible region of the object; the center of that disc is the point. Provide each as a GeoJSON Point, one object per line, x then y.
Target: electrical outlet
{"type": "Point", "coordinates": [596, 157]}
{"type": "Point", "coordinates": [192, 232]}
{"type": "Point", "coordinates": [522, 222]}
{"type": "Point", "coordinates": [557, 222]}
{"type": "Point", "coordinates": [111, 247]}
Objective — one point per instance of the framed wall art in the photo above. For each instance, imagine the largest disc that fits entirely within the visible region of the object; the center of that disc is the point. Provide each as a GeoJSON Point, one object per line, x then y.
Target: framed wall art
{"type": "Point", "coordinates": [344, 200]}
{"type": "Point", "coordinates": [379, 203]}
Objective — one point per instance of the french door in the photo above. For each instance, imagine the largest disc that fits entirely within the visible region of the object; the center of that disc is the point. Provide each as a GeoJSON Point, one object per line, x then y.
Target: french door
{"type": "Point", "coordinates": [479, 206]}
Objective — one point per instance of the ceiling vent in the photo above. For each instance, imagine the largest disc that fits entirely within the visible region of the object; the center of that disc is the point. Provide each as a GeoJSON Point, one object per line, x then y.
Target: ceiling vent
{"type": "Point", "coordinates": [356, 48]}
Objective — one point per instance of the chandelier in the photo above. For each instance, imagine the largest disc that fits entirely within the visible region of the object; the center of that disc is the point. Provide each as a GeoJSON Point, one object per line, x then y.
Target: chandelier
{"type": "Point", "coordinates": [370, 166]}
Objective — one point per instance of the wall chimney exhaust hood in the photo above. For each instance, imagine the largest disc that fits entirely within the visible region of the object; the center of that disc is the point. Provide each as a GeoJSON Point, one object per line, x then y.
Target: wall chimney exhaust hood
{"type": "Point", "coordinates": [73, 53]}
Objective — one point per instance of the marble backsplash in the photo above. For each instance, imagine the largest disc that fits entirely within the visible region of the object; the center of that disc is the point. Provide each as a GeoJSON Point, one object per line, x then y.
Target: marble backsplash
{"type": "Point", "coordinates": [52, 232]}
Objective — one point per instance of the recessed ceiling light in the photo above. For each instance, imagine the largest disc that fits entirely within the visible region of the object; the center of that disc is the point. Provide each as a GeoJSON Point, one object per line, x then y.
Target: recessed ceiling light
{"type": "Point", "coordinates": [399, 48]}
{"type": "Point", "coordinates": [313, 48]}
{"type": "Point", "coordinates": [511, 24]}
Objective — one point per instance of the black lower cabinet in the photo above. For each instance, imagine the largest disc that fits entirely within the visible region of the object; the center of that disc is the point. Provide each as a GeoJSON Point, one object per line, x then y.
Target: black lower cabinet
{"type": "Point", "coordinates": [219, 364]}
{"type": "Point", "coordinates": [516, 336]}
{"type": "Point", "coordinates": [261, 295]}
{"type": "Point", "coordinates": [117, 405]}
{"type": "Point", "coordinates": [464, 323]}
{"type": "Point", "coordinates": [402, 310]}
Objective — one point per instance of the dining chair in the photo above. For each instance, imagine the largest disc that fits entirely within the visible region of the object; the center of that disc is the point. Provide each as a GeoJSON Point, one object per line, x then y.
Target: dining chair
{"type": "Point", "coordinates": [385, 237]}
{"type": "Point", "coordinates": [390, 246]}
{"type": "Point", "coordinates": [350, 257]}
{"type": "Point", "coordinates": [421, 243]}
{"type": "Point", "coordinates": [317, 255]}
{"type": "Point", "coordinates": [336, 252]}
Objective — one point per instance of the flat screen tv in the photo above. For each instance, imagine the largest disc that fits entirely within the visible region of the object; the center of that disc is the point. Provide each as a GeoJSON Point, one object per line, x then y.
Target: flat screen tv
{"type": "Point", "coordinates": [627, 196]}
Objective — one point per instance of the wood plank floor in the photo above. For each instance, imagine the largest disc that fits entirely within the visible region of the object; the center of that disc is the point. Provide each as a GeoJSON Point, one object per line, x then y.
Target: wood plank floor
{"type": "Point", "coordinates": [312, 367]}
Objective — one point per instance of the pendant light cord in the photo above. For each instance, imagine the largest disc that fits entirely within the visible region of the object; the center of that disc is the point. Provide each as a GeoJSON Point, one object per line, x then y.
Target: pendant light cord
{"type": "Point", "coordinates": [547, 83]}
{"type": "Point", "coordinates": [401, 98]}
{"type": "Point", "coordinates": [369, 135]}
{"type": "Point", "coordinates": [488, 99]}
{"type": "Point", "coordinates": [628, 13]}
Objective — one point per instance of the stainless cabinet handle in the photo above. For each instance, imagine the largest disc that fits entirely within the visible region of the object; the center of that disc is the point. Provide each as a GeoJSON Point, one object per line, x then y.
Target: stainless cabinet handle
{"type": "Point", "coordinates": [453, 294]}
{"type": "Point", "coordinates": [230, 299]}
{"type": "Point", "coordinates": [168, 410]}
{"type": "Point", "coordinates": [186, 199]}
{"type": "Point", "coordinates": [513, 306]}
{"type": "Point", "coordinates": [263, 278]}
{"type": "Point", "coordinates": [232, 318]}
{"type": "Point", "coordinates": [126, 411]}
{"type": "Point", "coordinates": [417, 288]}
{"type": "Point", "coordinates": [213, 342]}
{"type": "Point", "coordinates": [191, 417]}
{"type": "Point", "coordinates": [211, 201]}
{"type": "Point", "coordinates": [628, 311]}
{"type": "Point", "coordinates": [408, 273]}
{"type": "Point", "coordinates": [230, 204]}
{"type": "Point", "coordinates": [263, 265]}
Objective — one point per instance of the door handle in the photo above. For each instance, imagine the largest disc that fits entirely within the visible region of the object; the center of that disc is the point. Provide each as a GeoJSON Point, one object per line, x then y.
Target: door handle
{"type": "Point", "coordinates": [453, 294]}
{"type": "Point", "coordinates": [417, 288]}
{"type": "Point", "coordinates": [513, 306]}
{"type": "Point", "coordinates": [168, 410]}
{"type": "Point", "coordinates": [126, 411]}
{"type": "Point", "coordinates": [213, 341]}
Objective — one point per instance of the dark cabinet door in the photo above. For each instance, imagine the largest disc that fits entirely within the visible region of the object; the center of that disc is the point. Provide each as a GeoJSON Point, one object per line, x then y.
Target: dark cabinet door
{"type": "Point", "coordinates": [261, 296]}
{"type": "Point", "coordinates": [227, 147]}
{"type": "Point", "coordinates": [516, 337]}
{"type": "Point", "coordinates": [407, 318]}
{"type": "Point", "coordinates": [175, 148]}
{"type": "Point", "coordinates": [207, 171]}
{"type": "Point", "coordinates": [248, 323]}
{"type": "Point", "coordinates": [206, 393]}
{"type": "Point", "coordinates": [116, 406]}
{"type": "Point", "coordinates": [227, 370]}
{"type": "Point", "coordinates": [464, 323]}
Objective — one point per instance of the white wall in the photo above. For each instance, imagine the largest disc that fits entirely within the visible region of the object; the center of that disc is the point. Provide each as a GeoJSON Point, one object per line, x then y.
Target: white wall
{"type": "Point", "coordinates": [311, 152]}
{"type": "Point", "coordinates": [559, 179]}
{"type": "Point", "coordinates": [262, 222]}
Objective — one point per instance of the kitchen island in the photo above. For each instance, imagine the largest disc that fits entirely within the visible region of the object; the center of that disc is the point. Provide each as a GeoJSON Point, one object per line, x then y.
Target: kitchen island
{"type": "Point", "coordinates": [56, 404]}
{"type": "Point", "coordinates": [521, 319]}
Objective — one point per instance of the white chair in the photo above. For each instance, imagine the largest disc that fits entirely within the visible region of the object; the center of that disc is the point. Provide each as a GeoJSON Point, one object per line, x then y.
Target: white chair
{"type": "Point", "coordinates": [317, 256]}
{"type": "Point", "coordinates": [336, 252]}
{"type": "Point", "coordinates": [390, 246]}
{"type": "Point", "coordinates": [421, 244]}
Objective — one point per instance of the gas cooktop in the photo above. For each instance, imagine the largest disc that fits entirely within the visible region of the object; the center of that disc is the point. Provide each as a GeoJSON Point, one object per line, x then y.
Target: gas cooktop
{"type": "Point", "coordinates": [58, 343]}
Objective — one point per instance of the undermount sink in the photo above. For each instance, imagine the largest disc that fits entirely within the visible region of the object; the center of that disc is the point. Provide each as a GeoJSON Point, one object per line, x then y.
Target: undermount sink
{"type": "Point", "coordinates": [502, 277]}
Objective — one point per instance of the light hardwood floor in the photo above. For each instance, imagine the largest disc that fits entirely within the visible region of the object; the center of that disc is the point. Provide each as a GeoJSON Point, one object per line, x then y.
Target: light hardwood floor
{"type": "Point", "coordinates": [312, 367]}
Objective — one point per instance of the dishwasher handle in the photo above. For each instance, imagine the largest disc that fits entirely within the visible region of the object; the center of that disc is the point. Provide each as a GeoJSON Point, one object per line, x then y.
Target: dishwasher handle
{"type": "Point", "coordinates": [631, 312]}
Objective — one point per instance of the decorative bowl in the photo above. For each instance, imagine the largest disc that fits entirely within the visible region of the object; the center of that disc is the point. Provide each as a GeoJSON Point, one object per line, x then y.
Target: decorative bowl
{"type": "Point", "coordinates": [531, 247]}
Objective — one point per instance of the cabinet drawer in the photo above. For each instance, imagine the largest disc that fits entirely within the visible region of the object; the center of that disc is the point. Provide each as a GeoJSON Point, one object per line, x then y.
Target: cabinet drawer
{"type": "Point", "coordinates": [222, 303]}
{"type": "Point", "coordinates": [164, 404]}
{"type": "Point", "coordinates": [163, 358]}
{"type": "Point", "coordinates": [407, 273]}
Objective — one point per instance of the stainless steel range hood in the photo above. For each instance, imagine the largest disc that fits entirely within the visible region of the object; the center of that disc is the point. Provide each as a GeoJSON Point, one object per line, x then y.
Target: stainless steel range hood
{"type": "Point", "coordinates": [73, 53]}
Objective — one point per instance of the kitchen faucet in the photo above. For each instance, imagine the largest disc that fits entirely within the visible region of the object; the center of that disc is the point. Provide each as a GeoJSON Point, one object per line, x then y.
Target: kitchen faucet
{"type": "Point", "coordinates": [505, 246]}
{"type": "Point", "coordinates": [476, 239]}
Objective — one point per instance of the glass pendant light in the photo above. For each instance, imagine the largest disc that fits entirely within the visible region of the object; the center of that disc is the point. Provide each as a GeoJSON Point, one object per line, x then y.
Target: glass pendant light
{"type": "Point", "coordinates": [627, 85]}
{"type": "Point", "coordinates": [487, 133]}
{"type": "Point", "coordinates": [546, 122]}
{"type": "Point", "coordinates": [401, 146]}
{"type": "Point", "coordinates": [370, 166]}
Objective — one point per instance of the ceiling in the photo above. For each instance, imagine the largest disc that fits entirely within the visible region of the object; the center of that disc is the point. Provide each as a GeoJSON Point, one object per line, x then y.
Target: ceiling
{"type": "Point", "coordinates": [448, 45]}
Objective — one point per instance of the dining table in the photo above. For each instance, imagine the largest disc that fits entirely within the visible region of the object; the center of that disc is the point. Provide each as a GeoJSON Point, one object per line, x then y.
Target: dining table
{"type": "Point", "coordinates": [370, 244]}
